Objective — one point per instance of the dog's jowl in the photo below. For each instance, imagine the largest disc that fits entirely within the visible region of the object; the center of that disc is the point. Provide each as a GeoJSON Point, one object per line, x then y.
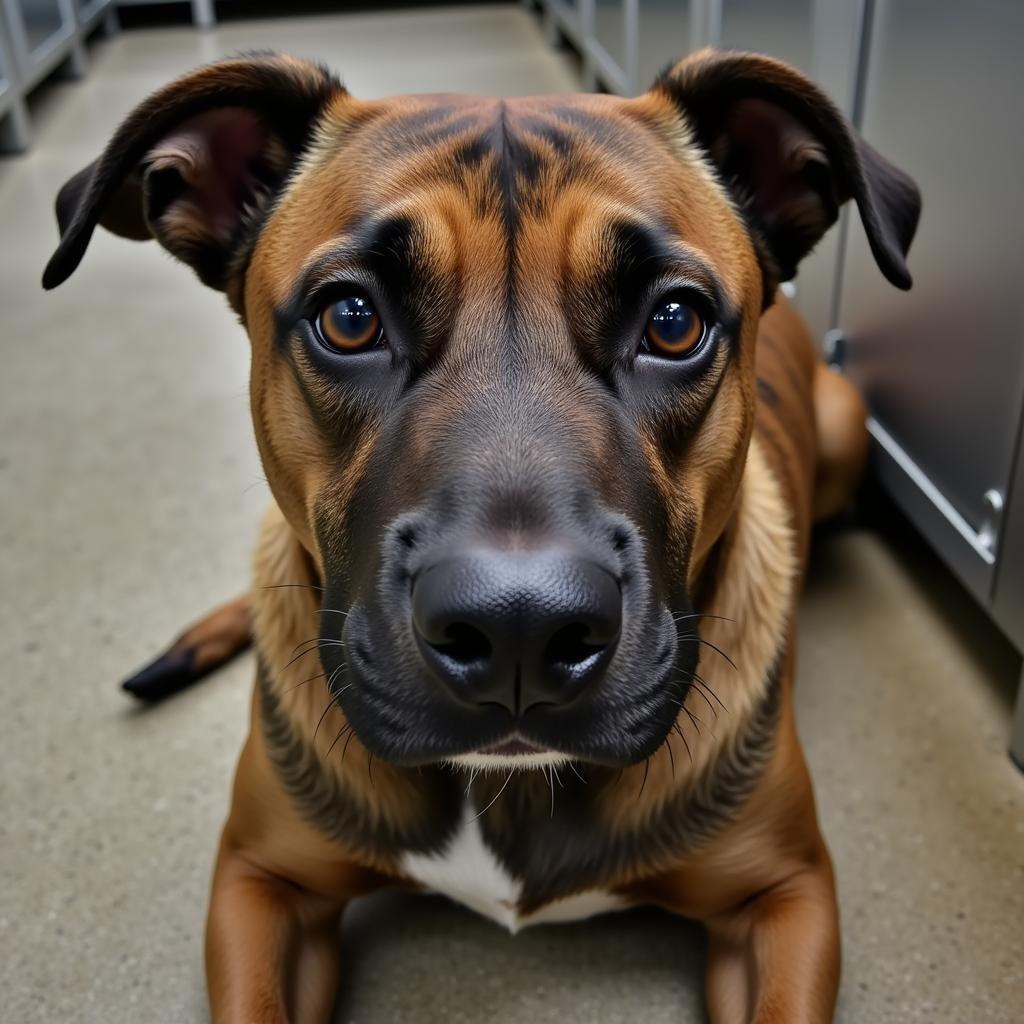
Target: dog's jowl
{"type": "Point", "coordinates": [545, 445]}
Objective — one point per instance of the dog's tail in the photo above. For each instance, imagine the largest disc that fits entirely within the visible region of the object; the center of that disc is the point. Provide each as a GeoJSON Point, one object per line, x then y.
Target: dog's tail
{"type": "Point", "coordinates": [203, 647]}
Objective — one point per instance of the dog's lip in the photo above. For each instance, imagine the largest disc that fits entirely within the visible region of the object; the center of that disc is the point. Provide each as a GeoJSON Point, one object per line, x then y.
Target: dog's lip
{"type": "Point", "coordinates": [513, 746]}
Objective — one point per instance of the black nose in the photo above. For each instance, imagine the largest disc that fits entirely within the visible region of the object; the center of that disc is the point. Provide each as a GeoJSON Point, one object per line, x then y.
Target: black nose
{"type": "Point", "coordinates": [516, 628]}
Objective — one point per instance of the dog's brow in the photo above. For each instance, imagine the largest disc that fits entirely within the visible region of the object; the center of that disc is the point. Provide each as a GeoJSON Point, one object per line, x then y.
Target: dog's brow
{"type": "Point", "coordinates": [381, 244]}
{"type": "Point", "coordinates": [377, 248]}
{"type": "Point", "coordinates": [640, 250]}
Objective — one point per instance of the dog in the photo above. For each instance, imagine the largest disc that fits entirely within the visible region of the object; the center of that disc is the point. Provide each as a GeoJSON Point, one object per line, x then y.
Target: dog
{"type": "Point", "coordinates": [545, 444]}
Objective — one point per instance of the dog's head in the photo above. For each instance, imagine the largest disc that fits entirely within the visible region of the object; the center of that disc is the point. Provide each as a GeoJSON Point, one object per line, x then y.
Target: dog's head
{"type": "Point", "coordinates": [502, 374]}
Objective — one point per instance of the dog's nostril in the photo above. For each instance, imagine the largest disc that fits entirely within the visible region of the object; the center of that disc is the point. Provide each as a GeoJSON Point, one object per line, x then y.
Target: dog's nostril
{"type": "Point", "coordinates": [464, 644]}
{"type": "Point", "coordinates": [571, 646]}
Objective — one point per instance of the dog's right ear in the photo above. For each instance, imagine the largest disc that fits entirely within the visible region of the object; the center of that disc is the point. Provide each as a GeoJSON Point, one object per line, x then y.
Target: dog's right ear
{"type": "Point", "coordinates": [193, 165]}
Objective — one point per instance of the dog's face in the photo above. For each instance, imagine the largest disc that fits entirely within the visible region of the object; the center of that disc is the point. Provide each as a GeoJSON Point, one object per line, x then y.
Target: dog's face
{"type": "Point", "coordinates": [502, 372]}
{"type": "Point", "coordinates": [503, 388]}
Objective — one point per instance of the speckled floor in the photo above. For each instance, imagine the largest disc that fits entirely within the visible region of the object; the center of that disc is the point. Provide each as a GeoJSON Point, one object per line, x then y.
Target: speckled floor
{"type": "Point", "coordinates": [129, 493]}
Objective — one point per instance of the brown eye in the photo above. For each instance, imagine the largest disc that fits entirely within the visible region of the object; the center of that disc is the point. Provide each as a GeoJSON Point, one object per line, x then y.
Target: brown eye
{"type": "Point", "coordinates": [350, 324]}
{"type": "Point", "coordinates": [674, 330]}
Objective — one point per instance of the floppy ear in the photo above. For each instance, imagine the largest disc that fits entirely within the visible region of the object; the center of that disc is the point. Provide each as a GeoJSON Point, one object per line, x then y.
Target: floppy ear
{"type": "Point", "coordinates": [193, 165]}
{"type": "Point", "coordinates": [791, 160]}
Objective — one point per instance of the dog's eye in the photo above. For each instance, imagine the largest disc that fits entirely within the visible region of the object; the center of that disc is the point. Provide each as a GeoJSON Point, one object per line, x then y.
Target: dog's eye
{"type": "Point", "coordinates": [349, 324]}
{"type": "Point", "coordinates": [675, 330]}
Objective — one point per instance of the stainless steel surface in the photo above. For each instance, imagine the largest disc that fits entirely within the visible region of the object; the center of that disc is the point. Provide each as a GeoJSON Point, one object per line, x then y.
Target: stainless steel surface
{"type": "Point", "coordinates": [964, 548]}
{"type": "Point", "coordinates": [663, 36]}
{"type": "Point", "coordinates": [782, 28]}
{"type": "Point", "coordinates": [988, 532]}
{"type": "Point", "coordinates": [943, 365]}
{"type": "Point", "coordinates": [1008, 595]}
{"type": "Point", "coordinates": [833, 347]}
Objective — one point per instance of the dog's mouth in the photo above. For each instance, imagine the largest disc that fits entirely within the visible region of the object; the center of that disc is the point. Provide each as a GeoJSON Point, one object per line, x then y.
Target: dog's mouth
{"type": "Point", "coordinates": [513, 746]}
{"type": "Point", "coordinates": [513, 752]}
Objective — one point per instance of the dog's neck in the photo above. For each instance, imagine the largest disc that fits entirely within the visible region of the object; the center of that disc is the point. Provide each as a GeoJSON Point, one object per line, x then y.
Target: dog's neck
{"type": "Point", "coordinates": [739, 633]}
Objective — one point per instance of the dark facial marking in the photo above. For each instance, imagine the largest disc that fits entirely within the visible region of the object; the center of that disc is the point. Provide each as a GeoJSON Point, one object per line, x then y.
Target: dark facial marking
{"type": "Point", "coordinates": [570, 850]}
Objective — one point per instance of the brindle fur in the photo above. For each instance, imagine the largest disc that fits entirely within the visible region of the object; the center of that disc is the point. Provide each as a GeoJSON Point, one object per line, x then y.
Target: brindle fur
{"type": "Point", "coordinates": [514, 238]}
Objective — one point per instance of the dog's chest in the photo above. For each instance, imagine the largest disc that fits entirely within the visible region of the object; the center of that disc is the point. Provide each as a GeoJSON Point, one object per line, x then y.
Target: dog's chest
{"type": "Point", "coordinates": [468, 871]}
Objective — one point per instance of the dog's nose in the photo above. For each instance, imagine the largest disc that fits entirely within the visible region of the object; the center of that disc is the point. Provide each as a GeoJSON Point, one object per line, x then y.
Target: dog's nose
{"type": "Point", "coordinates": [516, 628]}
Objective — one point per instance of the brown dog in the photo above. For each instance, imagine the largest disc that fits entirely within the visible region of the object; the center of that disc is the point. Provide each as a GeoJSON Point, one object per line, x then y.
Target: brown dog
{"type": "Point", "coordinates": [545, 447]}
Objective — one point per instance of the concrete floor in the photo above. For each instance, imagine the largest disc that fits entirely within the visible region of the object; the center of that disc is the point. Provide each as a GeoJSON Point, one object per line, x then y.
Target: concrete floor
{"type": "Point", "coordinates": [130, 492]}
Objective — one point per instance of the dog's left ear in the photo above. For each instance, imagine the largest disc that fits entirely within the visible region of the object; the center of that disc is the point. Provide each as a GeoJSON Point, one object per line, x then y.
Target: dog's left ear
{"type": "Point", "coordinates": [193, 164]}
{"type": "Point", "coordinates": [791, 160]}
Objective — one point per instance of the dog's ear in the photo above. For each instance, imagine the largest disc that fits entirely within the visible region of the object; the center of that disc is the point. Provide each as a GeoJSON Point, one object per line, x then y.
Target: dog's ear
{"type": "Point", "coordinates": [790, 159]}
{"type": "Point", "coordinates": [194, 164]}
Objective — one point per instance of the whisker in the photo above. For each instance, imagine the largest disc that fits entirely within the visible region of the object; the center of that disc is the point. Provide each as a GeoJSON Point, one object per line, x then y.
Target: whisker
{"type": "Point", "coordinates": [700, 640]}
{"type": "Point", "coordinates": [345, 748]}
{"type": "Point", "coordinates": [330, 704]}
{"type": "Point", "coordinates": [321, 641]}
{"type": "Point", "coordinates": [341, 732]}
{"type": "Point", "coordinates": [671, 756]}
{"type": "Point", "coordinates": [685, 744]}
{"type": "Point", "coordinates": [319, 675]}
{"type": "Point", "coordinates": [703, 684]}
{"type": "Point", "coordinates": [285, 586]}
{"type": "Point", "coordinates": [702, 615]}
{"type": "Point", "coordinates": [701, 694]}
{"type": "Point", "coordinates": [647, 768]}
{"type": "Point", "coordinates": [496, 795]}
{"type": "Point", "coordinates": [298, 657]}
{"type": "Point", "coordinates": [572, 765]}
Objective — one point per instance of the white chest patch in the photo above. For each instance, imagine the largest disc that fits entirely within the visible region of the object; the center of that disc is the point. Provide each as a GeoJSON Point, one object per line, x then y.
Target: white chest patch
{"type": "Point", "coordinates": [469, 873]}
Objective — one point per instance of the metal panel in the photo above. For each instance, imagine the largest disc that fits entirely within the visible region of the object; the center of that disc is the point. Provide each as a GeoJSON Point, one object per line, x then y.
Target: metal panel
{"type": "Point", "coordinates": [943, 366]}
{"type": "Point", "coordinates": [782, 28]}
{"type": "Point", "coordinates": [1008, 605]}
{"type": "Point", "coordinates": [1008, 600]}
{"type": "Point", "coordinates": [663, 36]}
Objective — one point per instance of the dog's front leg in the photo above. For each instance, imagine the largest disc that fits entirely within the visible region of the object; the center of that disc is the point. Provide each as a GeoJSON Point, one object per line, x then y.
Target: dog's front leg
{"type": "Point", "coordinates": [775, 959]}
{"type": "Point", "coordinates": [271, 947]}
{"type": "Point", "coordinates": [278, 891]}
